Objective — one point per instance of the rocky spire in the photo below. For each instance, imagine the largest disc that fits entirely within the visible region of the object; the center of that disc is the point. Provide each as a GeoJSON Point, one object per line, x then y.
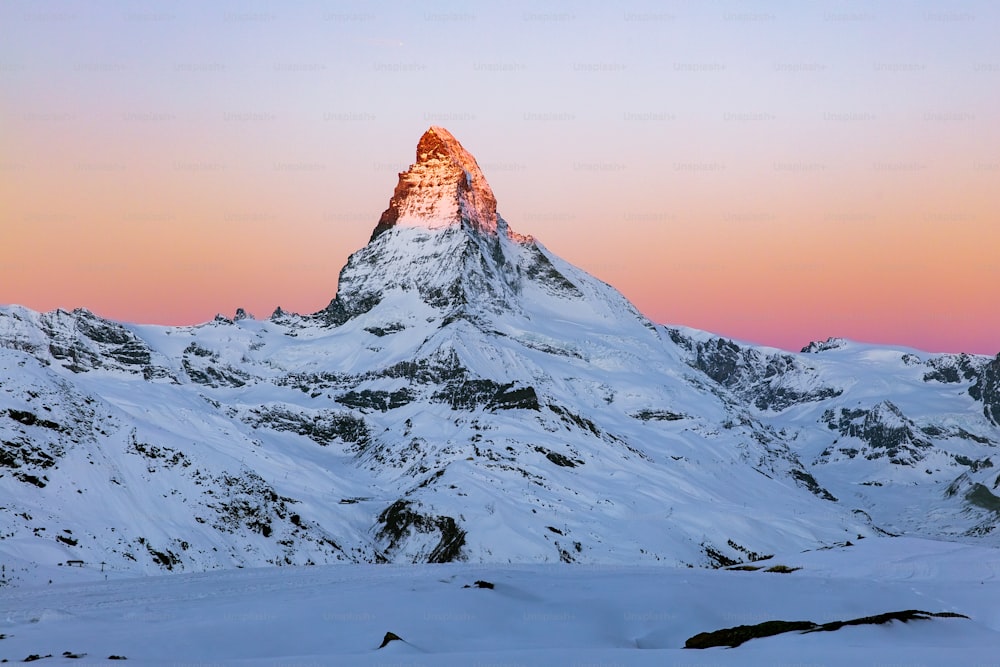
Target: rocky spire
{"type": "Point", "coordinates": [443, 187]}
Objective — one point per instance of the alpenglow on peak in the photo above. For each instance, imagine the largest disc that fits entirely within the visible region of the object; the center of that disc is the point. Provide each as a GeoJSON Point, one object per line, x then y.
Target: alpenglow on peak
{"type": "Point", "coordinates": [443, 187]}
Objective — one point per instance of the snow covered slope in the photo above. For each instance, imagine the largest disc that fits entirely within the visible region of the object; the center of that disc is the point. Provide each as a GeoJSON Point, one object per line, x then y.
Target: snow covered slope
{"type": "Point", "coordinates": [467, 395]}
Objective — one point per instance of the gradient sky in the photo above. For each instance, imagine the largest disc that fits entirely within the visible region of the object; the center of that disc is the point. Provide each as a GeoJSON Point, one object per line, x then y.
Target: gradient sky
{"type": "Point", "coordinates": [776, 172]}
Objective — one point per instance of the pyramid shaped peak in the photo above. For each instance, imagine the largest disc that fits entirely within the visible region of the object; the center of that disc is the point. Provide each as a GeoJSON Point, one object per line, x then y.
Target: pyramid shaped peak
{"type": "Point", "coordinates": [438, 143]}
{"type": "Point", "coordinates": [444, 187]}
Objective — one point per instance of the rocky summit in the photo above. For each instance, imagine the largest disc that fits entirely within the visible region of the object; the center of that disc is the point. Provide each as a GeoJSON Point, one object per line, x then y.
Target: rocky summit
{"type": "Point", "coordinates": [443, 187]}
{"type": "Point", "coordinates": [469, 396]}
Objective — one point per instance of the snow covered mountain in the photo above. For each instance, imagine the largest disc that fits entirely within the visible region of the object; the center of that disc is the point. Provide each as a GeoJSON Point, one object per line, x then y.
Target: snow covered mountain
{"type": "Point", "coordinates": [467, 395]}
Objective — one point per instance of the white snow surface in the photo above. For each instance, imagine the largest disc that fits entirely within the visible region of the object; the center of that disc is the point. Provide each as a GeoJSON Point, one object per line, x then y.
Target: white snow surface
{"type": "Point", "coordinates": [534, 615]}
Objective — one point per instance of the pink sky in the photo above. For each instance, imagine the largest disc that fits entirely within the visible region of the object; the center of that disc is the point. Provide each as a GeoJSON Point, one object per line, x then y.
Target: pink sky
{"type": "Point", "coordinates": [774, 174]}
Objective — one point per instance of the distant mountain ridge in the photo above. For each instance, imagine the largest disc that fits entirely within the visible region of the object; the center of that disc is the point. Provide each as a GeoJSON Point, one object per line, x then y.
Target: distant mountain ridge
{"type": "Point", "coordinates": [468, 395]}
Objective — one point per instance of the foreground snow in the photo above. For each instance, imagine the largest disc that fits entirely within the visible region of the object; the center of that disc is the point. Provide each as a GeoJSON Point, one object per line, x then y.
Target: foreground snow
{"type": "Point", "coordinates": [535, 615]}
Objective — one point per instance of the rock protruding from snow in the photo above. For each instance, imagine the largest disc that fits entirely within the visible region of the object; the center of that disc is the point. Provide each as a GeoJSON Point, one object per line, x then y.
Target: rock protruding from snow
{"type": "Point", "coordinates": [885, 431]}
{"type": "Point", "coordinates": [831, 343]}
{"type": "Point", "coordinates": [443, 187]}
{"type": "Point", "coordinates": [987, 390]}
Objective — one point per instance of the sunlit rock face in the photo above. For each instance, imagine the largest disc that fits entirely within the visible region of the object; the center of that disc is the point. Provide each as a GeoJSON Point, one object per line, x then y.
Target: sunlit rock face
{"type": "Point", "coordinates": [443, 187]}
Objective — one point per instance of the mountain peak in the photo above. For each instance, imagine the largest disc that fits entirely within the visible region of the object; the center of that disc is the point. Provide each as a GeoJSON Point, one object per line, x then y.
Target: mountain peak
{"type": "Point", "coordinates": [444, 187]}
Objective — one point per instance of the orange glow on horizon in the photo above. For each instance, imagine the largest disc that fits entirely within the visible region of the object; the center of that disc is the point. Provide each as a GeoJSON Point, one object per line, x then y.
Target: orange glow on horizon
{"type": "Point", "coordinates": [776, 181]}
